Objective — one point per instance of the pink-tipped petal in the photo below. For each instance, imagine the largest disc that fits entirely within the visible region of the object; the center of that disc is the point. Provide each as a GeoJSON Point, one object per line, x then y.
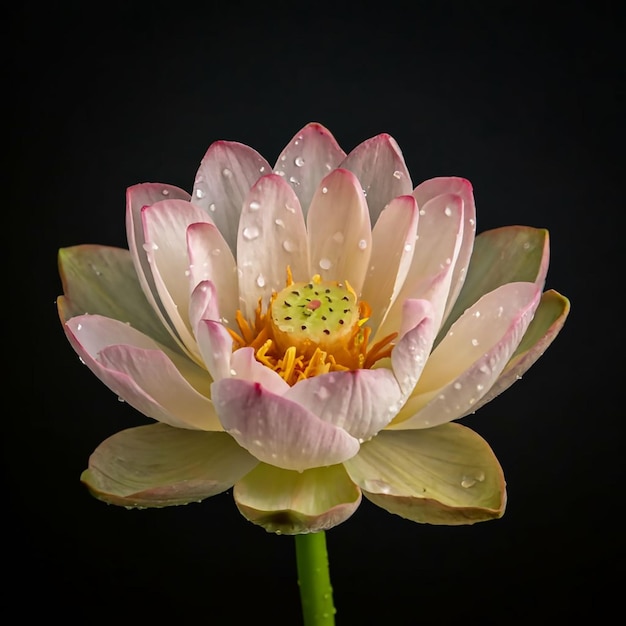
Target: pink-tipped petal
{"type": "Point", "coordinates": [156, 466]}
{"type": "Point", "coordinates": [278, 431]}
{"type": "Point", "coordinates": [226, 174]}
{"type": "Point", "coordinates": [433, 187]}
{"type": "Point", "coordinates": [138, 197]}
{"type": "Point", "coordinates": [165, 229]}
{"type": "Point", "coordinates": [244, 366]}
{"type": "Point", "coordinates": [272, 236]}
{"type": "Point", "coordinates": [307, 158]}
{"type": "Point", "coordinates": [393, 244]}
{"type": "Point", "coordinates": [203, 304]}
{"type": "Point", "coordinates": [417, 334]}
{"type": "Point", "coordinates": [379, 165]}
{"type": "Point", "coordinates": [339, 229]}
{"type": "Point", "coordinates": [439, 232]}
{"type": "Point", "coordinates": [291, 503]}
{"type": "Point", "coordinates": [139, 372]}
{"type": "Point", "coordinates": [216, 346]}
{"type": "Point", "coordinates": [210, 258]}
{"type": "Point", "coordinates": [470, 358]}
{"type": "Point", "coordinates": [546, 325]}
{"type": "Point", "coordinates": [361, 402]}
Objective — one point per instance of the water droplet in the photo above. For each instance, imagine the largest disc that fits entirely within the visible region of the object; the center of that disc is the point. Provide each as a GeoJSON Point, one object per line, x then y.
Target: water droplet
{"type": "Point", "coordinates": [397, 174]}
{"type": "Point", "coordinates": [165, 192]}
{"type": "Point", "coordinates": [254, 206]}
{"type": "Point", "coordinates": [79, 327]}
{"type": "Point", "coordinates": [293, 180]}
{"type": "Point", "coordinates": [325, 263]}
{"type": "Point", "coordinates": [150, 246]}
{"type": "Point", "coordinates": [467, 482]}
{"type": "Point", "coordinates": [279, 222]}
{"type": "Point", "coordinates": [290, 208]}
{"type": "Point", "coordinates": [279, 172]}
{"type": "Point", "coordinates": [407, 247]}
{"type": "Point", "coordinates": [260, 280]}
{"type": "Point", "coordinates": [472, 221]}
{"type": "Point", "coordinates": [120, 399]}
{"type": "Point", "coordinates": [324, 189]}
{"type": "Point", "coordinates": [187, 273]}
{"type": "Point", "coordinates": [474, 342]}
{"type": "Point", "coordinates": [216, 251]}
{"type": "Point", "coordinates": [476, 313]}
{"type": "Point", "coordinates": [422, 212]}
{"type": "Point", "coordinates": [484, 369]}
{"type": "Point", "coordinates": [226, 172]}
{"type": "Point", "coordinates": [526, 245]}
{"type": "Point", "coordinates": [448, 261]}
{"type": "Point", "coordinates": [199, 178]}
{"type": "Point", "coordinates": [289, 245]}
{"type": "Point", "coordinates": [362, 244]}
{"type": "Point", "coordinates": [258, 442]}
{"type": "Point", "coordinates": [299, 161]}
{"type": "Point", "coordinates": [338, 237]}
{"type": "Point", "coordinates": [480, 387]}
{"type": "Point", "coordinates": [250, 232]}
{"type": "Point", "coordinates": [200, 193]}
{"type": "Point", "coordinates": [457, 385]}
{"type": "Point", "coordinates": [448, 211]}
{"type": "Point", "coordinates": [80, 358]}
{"type": "Point", "coordinates": [233, 373]}
{"type": "Point", "coordinates": [262, 169]}
{"type": "Point", "coordinates": [212, 206]}
{"type": "Point", "coordinates": [500, 311]}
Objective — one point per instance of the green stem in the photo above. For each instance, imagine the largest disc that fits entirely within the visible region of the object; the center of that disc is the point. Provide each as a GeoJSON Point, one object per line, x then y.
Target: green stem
{"type": "Point", "coordinates": [316, 593]}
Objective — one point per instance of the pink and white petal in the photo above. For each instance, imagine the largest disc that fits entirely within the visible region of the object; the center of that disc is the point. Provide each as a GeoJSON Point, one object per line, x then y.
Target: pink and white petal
{"type": "Point", "coordinates": [433, 187]}
{"type": "Point", "coordinates": [440, 232]}
{"type": "Point", "coordinates": [94, 277]}
{"type": "Point", "coordinates": [226, 174]}
{"type": "Point", "coordinates": [210, 258]}
{"type": "Point", "coordinates": [216, 346]}
{"type": "Point", "coordinates": [165, 228]}
{"type": "Point", "coordinates": [291, 503]}
{"type": "Point", "coordinates": [379, 165]}
{"type": "Point", "coordinates": [278, 431]}
{"type": "Point", "coordinates": [360, 402]}
{"type": "Point", "coordinates": [244, 366]}
{"type": "Point", "coordinates": [410, 354]}
{"type": "Point", "coordinates": [272, 236]}
{"type": "Point", "coordinates": [139, 372]}
{"type": "Point", "coordinates": [546, 325]}
{"type": "Point", "coordinates": [203, 304]}
{"type": "Point", "coordinates": [393, 241]}
{"type": "Point", "coordinates": [444, 475]}
{"type": "Point", "coordinates": [307, 158]}
{"type": "Point", "coordinates": [156, 466]}
{"type": "Point", "coordinates": [502, 255]}
{"type": "Point", "coordinates": [138, 197]}
{"type": "Point", "coordinates": [339, 230]}
{"type": "Point", "coordinates": [470, 358]}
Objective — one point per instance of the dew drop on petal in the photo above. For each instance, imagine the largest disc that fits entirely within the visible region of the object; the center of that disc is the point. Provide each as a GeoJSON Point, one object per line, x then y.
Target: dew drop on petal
{"type": "Point", "coordinates": [322, 393]}
{"type": "Point", "coordinates": [262, 169]}
{"type": "Point", "coordinates": [457, 385]}
{"type": "Point", "coordinates": [260, 280]}
{"type": "Point", "coordinates": [215, 251]}
{"type": "Point", "coordinates": [467, 482]}
{"type": "Point", "coordinates": [526, 245]}
{"type": "Point", "coordinates": [397, 174]}
{"type": "Point", "coordinates": [233, 372]}
{"type": "Point", "coordinates": [187, 273]}
{"type": "Point", "coordinates": [325, 263]}
{"type": "Point", "coordinates": [279, 222]}
{"type": "Point", "coordinates": [324, 189]}
{"type": "Point", "coordinates": [407, 247]}
{"type": "Point", "coordinates": [480, 387]}
{"type": "Point", "coordinates": [288, 245]}
{"type": "Point", "coordinates": [79, 327]}
{"type": "Point", "coordinates": [362, 244]}
{"type": "Point", "coordinates": [150, 246]}
{"type": "Point", "coordinates": [212, 206]}
{"type": "Point", "coordinates": [422, 212]}
{"type": "Point", "coordinates": [474, 342]}
{"type": "Point", "coordinates": [299, 161]}
{"type": "Point", "coordinates": [250, 232]}
{"type": "Point", "coordinates": [200, 193]}
{"type": "Point", "coordinates": [165, 192]}
{"type": "Point", "coordinates": [448, 211]}
{"type": "Point", "coordinates": [227, 173]}
{"type": "Point", "coordinates": [338, 237]}
{"type": "Point", "coordinates": [254, 206]}
{"type": "Point", "coordinates": [290, 208]}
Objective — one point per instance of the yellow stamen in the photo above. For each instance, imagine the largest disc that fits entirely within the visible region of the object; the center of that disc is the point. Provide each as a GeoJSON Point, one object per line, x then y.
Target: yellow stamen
{"type": "Point", "coordinates": [310, 329]}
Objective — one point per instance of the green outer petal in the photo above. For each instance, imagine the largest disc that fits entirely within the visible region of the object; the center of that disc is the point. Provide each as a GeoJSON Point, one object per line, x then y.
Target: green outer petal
{"type": "Point", "coordinates": [102, 280]}
{"type": "Point", "coordinates": [502, 255]}
{"type": "Point", "coordinates": [157, 466]}
{"type": "Point", "coordinates": [546, 325]}
{"type": "Point", "coordinates": [443, 475]}
{"type": "Point", "coordinates": [292, 503]}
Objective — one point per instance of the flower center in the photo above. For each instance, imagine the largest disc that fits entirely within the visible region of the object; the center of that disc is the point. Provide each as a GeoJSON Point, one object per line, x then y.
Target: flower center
{"type": "Point", "coordinates": [311, 329]}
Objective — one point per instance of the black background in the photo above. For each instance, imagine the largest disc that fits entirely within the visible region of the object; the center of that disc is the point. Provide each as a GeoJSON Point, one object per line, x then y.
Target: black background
{"type": "Point", "coordinates": [522, 99]}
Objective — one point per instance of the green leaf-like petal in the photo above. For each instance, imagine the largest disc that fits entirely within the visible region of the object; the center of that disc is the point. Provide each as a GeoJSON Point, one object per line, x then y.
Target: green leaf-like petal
{"type": "Point", "coordinates": [443, 475]}
{"type": "Point", "coordinates": [102, 280]}
{"type": "Point", "coordinates": [157, 466]}
{"type": "Point", "coordinates": [292, 503]}
{"type": "Point", "coordinates": [502, 255]}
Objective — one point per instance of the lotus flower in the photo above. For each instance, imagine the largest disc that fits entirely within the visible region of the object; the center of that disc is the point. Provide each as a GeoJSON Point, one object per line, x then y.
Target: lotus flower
{"type": "Point", "coordinates": [307, 334]}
